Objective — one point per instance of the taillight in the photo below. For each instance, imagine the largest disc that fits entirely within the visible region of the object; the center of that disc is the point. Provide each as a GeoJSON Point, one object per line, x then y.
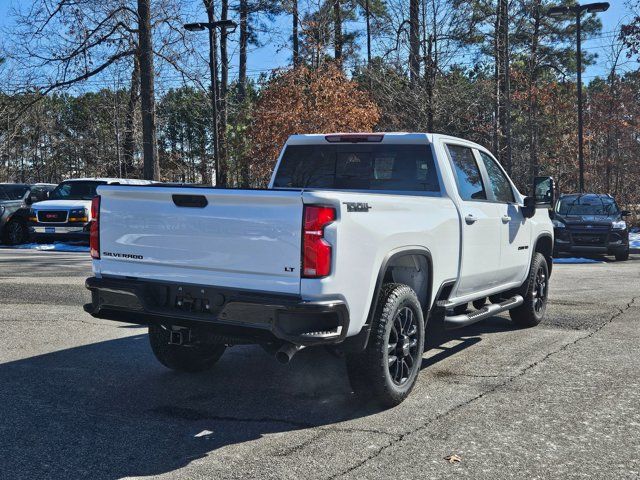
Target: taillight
{"type": "Point", "coordinates": [316, 252]}
{"type": "Point", "coordinates": [94, 232]}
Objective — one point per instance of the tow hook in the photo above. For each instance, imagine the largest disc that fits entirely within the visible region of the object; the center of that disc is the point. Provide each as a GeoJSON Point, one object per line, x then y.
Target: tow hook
{"type": "Point", "coordinates": [179, 336]}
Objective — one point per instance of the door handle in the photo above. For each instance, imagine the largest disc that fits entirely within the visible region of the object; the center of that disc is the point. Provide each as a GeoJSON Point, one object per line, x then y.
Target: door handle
{"type": "Point", "coordinates": [506, 219]}
{"type": "Point", "coordinates": [470, 219]}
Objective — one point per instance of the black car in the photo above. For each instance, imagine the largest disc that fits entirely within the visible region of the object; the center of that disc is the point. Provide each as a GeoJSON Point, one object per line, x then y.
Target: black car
{"type": "Point", "coordinates": [590, 223]}
{"type": "Point", "coordinates": [14, 201]}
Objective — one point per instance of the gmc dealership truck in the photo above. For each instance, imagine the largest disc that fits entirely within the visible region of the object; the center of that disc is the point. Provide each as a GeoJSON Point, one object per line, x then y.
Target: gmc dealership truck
{"type": "Point", "coordinates": [357, 242]}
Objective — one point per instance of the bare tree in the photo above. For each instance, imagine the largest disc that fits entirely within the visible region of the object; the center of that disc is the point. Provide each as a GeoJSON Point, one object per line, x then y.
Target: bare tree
{"type": "Point", "coordinates": [147, 95]}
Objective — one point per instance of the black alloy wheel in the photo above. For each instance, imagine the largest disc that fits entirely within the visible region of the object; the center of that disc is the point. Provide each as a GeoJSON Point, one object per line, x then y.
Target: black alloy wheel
{"type": "Point", "coordinates": [402, 347]}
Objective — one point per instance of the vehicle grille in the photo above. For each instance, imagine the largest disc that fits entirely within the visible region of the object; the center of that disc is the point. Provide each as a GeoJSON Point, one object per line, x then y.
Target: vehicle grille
{"type": "Point", "coordinates": [52, 216]}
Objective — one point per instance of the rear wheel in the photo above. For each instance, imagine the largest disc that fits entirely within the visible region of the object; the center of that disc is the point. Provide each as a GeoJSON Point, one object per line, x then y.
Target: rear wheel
{"type": "Point", "coordinates": [535, 293]}
{"type": "Point", "coordinates": [388, 368]}
{"type": "Point", "coordinates": [15, 233]}
{"type": "Point", "coordinates": [185, 358]}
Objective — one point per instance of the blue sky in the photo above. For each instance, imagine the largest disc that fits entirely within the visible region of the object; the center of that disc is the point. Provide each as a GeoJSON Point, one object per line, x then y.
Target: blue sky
{"type": "Point", "coordinates": [271, 55]}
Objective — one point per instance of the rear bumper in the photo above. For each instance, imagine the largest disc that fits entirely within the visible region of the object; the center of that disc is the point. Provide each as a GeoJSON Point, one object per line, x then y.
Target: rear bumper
{"type": "Point", "coordinates": [246, 315]}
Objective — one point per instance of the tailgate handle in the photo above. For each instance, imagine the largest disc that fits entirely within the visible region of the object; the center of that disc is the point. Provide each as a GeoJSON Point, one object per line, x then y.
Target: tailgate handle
{"type": "Point", "coordinates": [193, 201]}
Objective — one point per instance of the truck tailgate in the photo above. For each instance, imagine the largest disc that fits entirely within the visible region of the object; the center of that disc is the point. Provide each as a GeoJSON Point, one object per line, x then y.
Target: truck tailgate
{"type": "Point", "coordinates": [246, 239]}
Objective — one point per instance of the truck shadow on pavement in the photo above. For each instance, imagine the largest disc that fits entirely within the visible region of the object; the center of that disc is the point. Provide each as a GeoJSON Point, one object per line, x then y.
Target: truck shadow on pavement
{"type": "Point", "coordinates": [108, 410]}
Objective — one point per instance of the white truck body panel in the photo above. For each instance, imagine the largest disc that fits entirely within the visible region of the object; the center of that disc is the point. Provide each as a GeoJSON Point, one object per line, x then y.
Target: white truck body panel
{"type": "Point", "coordinates": [361, 241]}
{"type": "Point", "coordinates": [242, 239]}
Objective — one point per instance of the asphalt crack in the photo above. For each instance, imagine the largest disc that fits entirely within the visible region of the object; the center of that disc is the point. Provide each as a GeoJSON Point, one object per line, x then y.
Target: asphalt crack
{"type": "Point", "coordinates": [508, 380]}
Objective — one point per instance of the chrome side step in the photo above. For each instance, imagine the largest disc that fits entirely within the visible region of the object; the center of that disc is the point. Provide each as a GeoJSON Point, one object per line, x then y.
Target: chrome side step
{"type": "Point", "coordinates": [458, 321]}
{"type": "Point", "coordinates": [444, 303]}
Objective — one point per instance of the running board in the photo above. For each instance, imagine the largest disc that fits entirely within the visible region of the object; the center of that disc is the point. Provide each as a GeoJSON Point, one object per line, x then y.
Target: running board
{"type": "Point", "coordinates": [458, 321]}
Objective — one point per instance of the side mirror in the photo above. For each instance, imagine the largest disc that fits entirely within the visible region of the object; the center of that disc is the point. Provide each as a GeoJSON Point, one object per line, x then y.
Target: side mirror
{"type": "Point", "coordinates": [29, 199]}
{"type": "Point", "coordinates": [625, 213]}
{"type": "Point", "coordinates": [544, 191]}
{"type": "Point", "coordinates": [529, 208]}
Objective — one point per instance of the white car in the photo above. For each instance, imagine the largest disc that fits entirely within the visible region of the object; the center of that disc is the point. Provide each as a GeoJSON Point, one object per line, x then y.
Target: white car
{"type": "Point", "coordinates": [359, 240]}
{"type": "Point", "coordinates": [67, 213]}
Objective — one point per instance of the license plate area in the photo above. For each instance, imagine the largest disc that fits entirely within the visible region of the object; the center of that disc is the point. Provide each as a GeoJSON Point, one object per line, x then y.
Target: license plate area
{"type": "Point", "coordinates": [193, 299]}
{"type": "Point", "coordinates": [588, 239]}
{"type": "Point", "coordinates": [49, 229]}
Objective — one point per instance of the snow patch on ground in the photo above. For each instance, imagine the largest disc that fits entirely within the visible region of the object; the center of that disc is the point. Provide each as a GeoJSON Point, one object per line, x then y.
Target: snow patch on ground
{"type": "Point", "coordinates": [576, 260]}
{"type": "Point", "coordinates": [52, 247]}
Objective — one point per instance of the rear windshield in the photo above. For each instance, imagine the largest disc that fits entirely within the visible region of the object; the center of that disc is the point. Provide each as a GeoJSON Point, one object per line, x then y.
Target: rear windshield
{"type": "Point", "coordinates": [13, 192]}
{"type": "Point", "coordinates": [78, 190]}
{"type": "Point", "coordinates": [358, 167]}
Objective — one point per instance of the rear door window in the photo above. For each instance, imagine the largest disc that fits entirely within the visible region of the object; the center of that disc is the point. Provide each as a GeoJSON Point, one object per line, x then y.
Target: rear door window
{"type": "Point", "coordinates": [498, 181]}
{"type": "Point", "coordinates": [359, 167]}
{"type": "Point", "coordinates": [468, 177]}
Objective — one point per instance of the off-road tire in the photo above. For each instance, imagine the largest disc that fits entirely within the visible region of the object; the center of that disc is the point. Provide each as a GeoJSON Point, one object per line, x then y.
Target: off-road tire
{"type": "Point", "coordinates": [370, 371]}
{"type": "Point", "coordinates": [184, 358]}
{"type": "Point", "coordinates": [479, 303]}
{"type": "Point", "coordinates": [622, 256]}
{"type": "Point", "coordinates": [535, 292]}
{"type": "Point", "coordinates": [15, 233]}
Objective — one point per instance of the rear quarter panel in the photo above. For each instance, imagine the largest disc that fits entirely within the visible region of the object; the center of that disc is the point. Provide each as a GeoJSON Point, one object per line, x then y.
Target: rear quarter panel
{"type": "Point", "coordinates": [362, 240]}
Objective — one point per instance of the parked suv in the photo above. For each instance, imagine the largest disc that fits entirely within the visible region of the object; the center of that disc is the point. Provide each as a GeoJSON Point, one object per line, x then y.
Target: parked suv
{"type": "Point", "coordinates": [359, 240]}
{"type": "Point", "coordinates": [67, 213]}
{"type": "Point", "coordinates": [590, 223]}
{"type": "Point", "coordinates": [14, 201]}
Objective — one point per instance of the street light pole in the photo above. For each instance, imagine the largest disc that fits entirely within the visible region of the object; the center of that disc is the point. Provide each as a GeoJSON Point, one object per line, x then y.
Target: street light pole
{"type": "Point", "coordinates": [579, 87]}
{"type": "Point", "coordinates": [213, 71]}
{"type": "Point", "coordinates": [577, 10]}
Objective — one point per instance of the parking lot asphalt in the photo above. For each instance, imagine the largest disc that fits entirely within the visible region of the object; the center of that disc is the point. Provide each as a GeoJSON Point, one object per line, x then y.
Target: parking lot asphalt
{"type": "Point", "coordinates": [85, 398]}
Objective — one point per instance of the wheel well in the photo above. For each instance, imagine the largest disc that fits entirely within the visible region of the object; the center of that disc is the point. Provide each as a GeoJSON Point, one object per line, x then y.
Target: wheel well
{"type": "Point", "coordinates": [413, 270]}
{"type": "Point", "coordinates": [544, 245]}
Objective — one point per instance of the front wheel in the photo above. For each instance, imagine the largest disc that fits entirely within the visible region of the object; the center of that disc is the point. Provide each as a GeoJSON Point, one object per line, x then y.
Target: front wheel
{"type": "Point", "coordinates": [388, 368]}
{"type": "Point", "coordinates": [622, 256]}
{"type": "Point", "coordinates": [15, 233]}
{"type": "Point", "coordinates": [184, 358]}
{"type": "Point", "coordinates": [535, 294]}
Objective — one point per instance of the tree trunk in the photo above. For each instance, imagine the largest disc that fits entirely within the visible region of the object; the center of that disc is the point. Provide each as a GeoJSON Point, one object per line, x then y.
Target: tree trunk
{"type": "Point", "coordinates": [129, 141]}
{"type": "Point", "coordinates": [533, 97]}
{"type": "Point", "coordinates": [367, 15]}
{"type": "Point", "coordinates": [502, 106]}
{"type": "Point", "coordinates": [224, 86]}
{"type": "Point", "coordinates": [242, 86]}
{"type": "Point", "coordinates": [151, 169]}
{"type": "Point", "coordinates": [414, 41]}
{"type": "Point", "coordinates": [337, 30]}
{"type": "Point", "coordinates": [244, 40]}
{"type": "Point", "coordinates": [294, 35]}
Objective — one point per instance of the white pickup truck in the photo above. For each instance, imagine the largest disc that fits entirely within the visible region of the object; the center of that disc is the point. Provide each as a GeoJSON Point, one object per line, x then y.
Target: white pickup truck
{"type": "Point", "coordinates": [359, 240]}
